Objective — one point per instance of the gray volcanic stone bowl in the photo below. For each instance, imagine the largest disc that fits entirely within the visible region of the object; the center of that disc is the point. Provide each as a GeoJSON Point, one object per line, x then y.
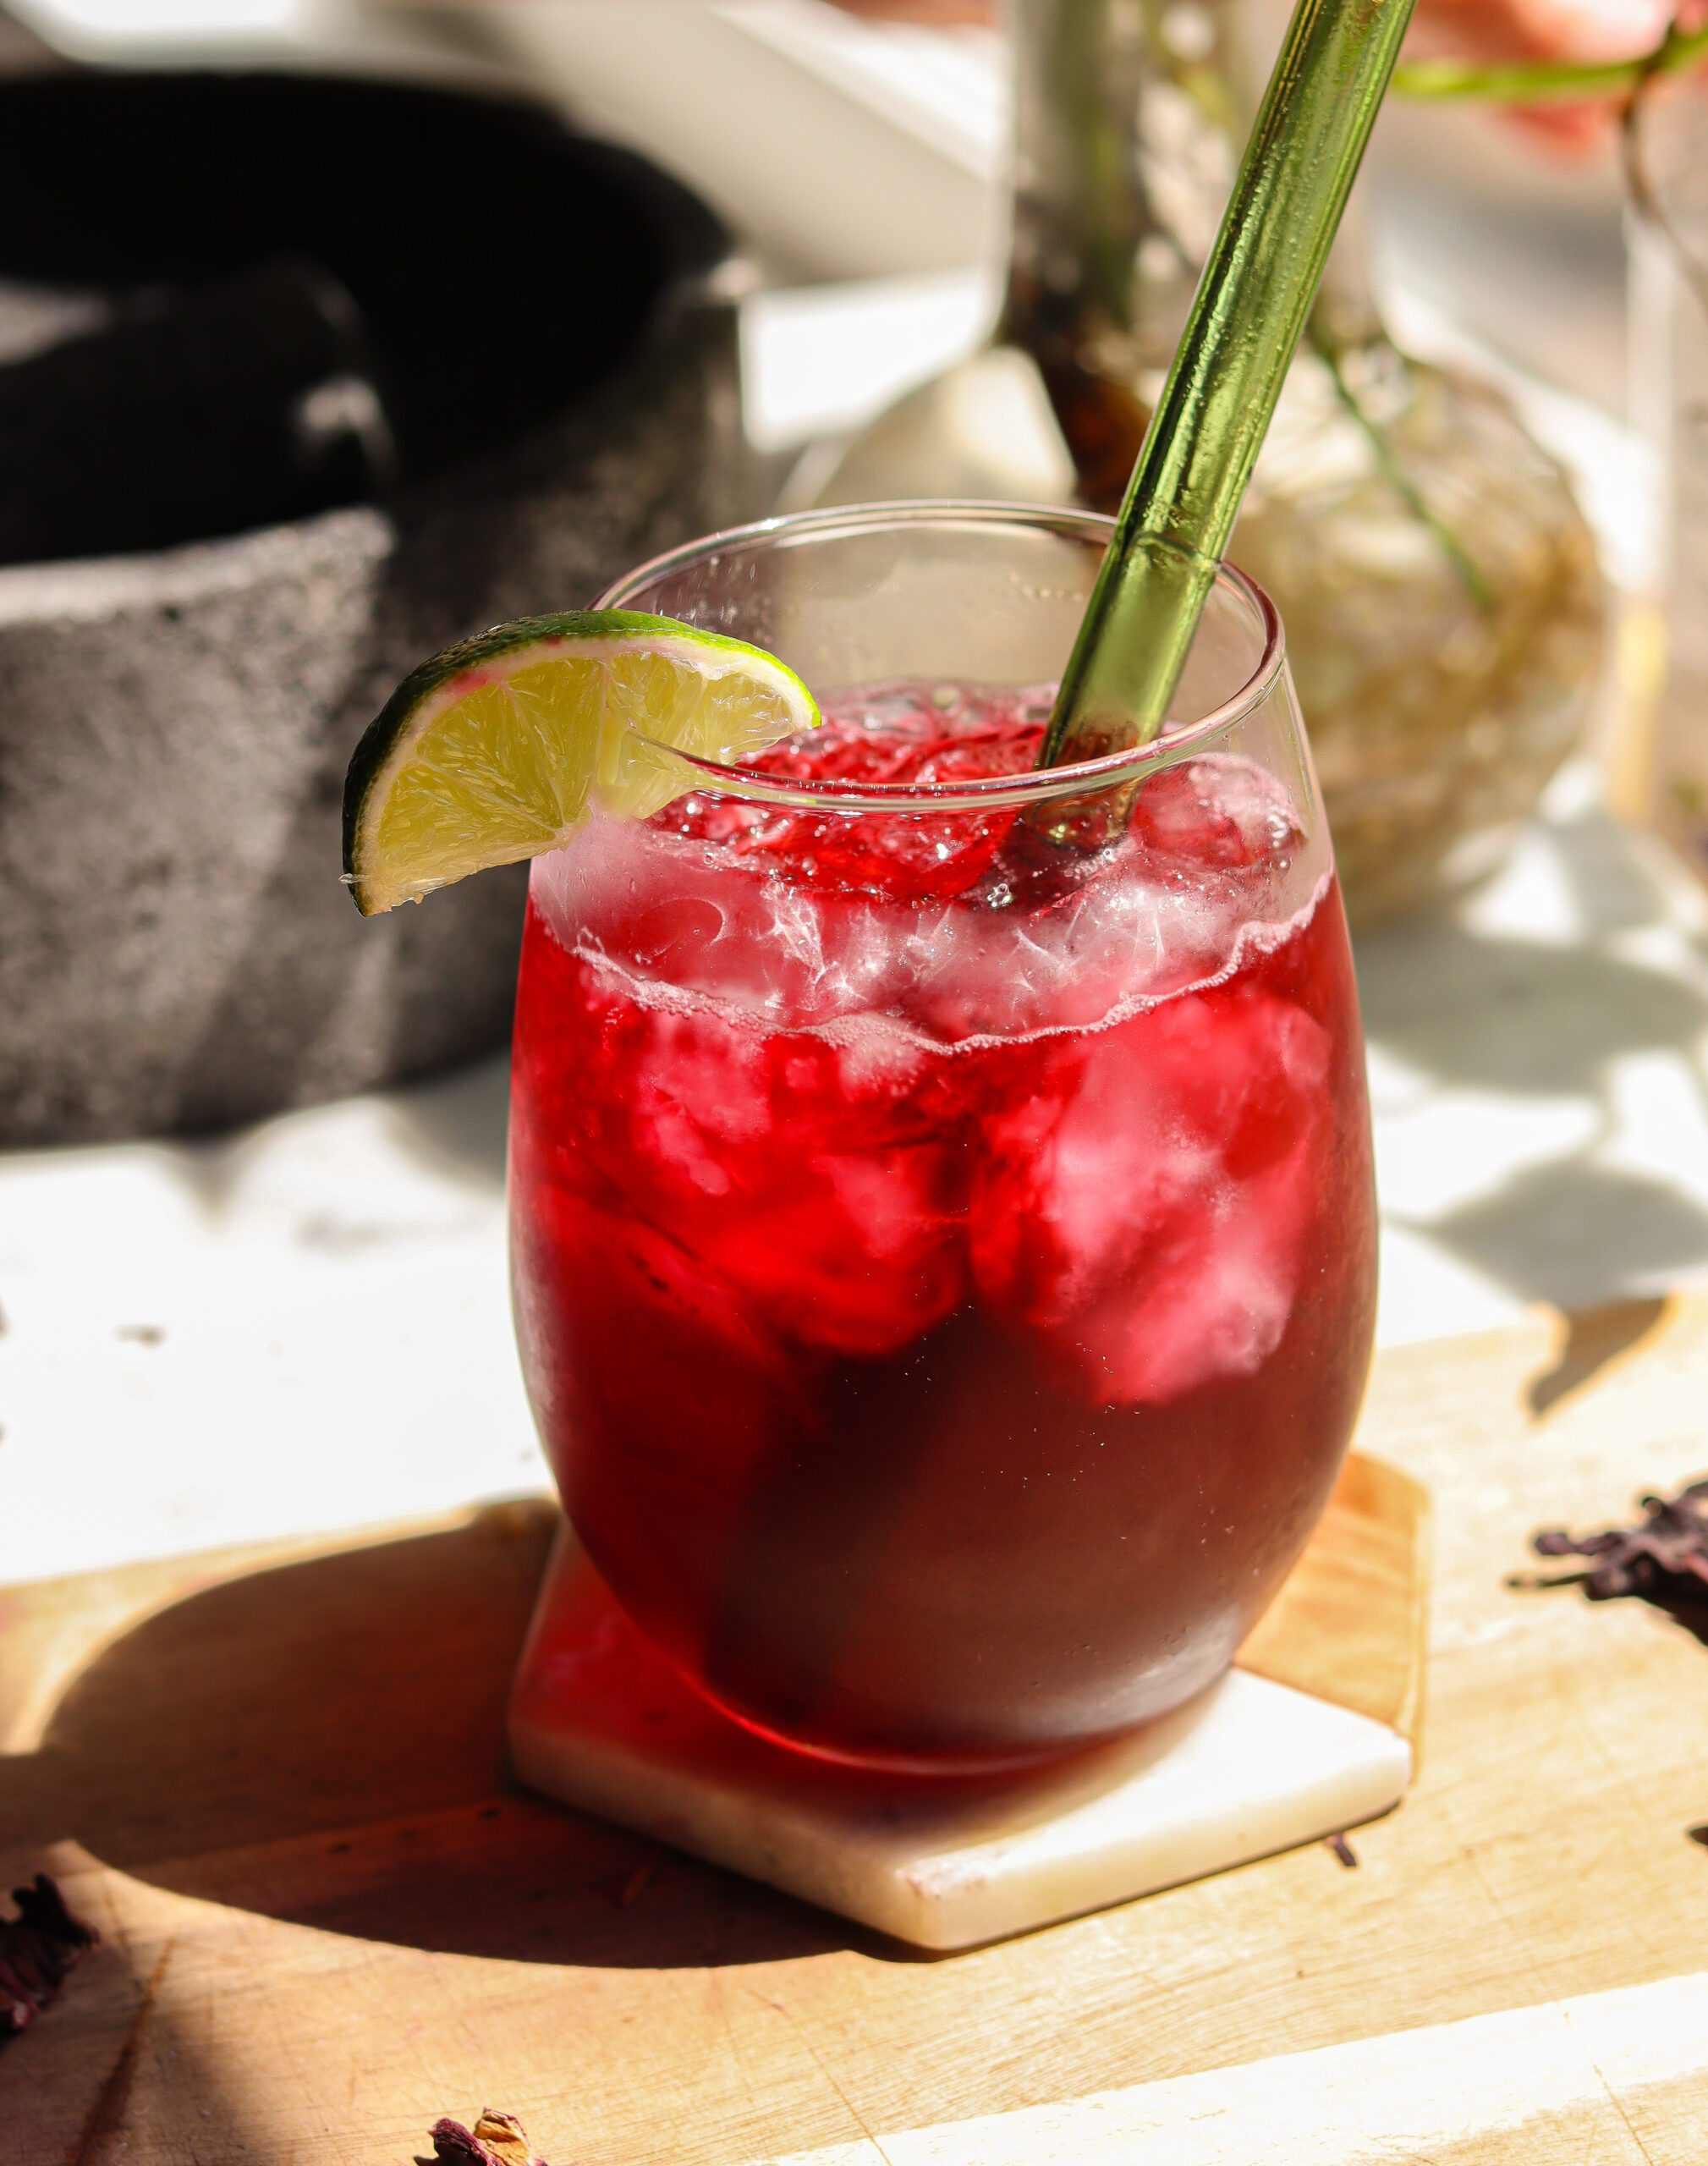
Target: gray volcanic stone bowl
{"type": "Point", "coordinates": [554, 332]}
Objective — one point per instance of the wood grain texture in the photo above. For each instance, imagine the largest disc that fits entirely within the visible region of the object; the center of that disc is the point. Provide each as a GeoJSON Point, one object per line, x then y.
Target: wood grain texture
{"type": "Point", "coordinates": [1351, 1624]}
{"type": "Point", "coordinates": [327, 1920]}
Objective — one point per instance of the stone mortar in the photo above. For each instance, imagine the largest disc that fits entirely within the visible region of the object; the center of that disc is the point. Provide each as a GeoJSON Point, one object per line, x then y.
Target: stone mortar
{"type": "Point", "coordinates": [177, 951]}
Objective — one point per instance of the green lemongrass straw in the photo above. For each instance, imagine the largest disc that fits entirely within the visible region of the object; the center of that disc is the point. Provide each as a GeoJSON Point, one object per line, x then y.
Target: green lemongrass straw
{"type": "Point", "coordinates": [1210, 422]}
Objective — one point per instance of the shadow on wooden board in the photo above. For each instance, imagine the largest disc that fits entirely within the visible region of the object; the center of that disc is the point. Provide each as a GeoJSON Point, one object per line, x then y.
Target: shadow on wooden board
{"type": "Point", "coordinates": [322, 1741]}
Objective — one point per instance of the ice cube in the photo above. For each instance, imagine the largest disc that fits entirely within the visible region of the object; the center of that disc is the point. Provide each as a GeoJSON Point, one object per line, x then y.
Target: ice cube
{"type": "Point", "coordinates": [810, 1169]}
{"type": "Point", "coordinates": [1144, 1207]}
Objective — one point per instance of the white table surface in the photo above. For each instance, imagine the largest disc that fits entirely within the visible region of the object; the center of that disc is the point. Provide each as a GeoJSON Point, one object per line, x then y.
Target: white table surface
{"type": "Point", "coordinates": [306, 1326]}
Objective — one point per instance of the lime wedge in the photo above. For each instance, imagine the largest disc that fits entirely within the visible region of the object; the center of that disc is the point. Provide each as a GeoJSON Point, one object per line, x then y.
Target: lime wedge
{"type": "Point", "coordinates": [497, 749]}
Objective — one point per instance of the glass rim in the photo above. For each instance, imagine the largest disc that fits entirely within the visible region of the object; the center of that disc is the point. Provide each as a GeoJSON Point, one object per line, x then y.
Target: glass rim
{"type": "Point", "coordinates": [988, 793]}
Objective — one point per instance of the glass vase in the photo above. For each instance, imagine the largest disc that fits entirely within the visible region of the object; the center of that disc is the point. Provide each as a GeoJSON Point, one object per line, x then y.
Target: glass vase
{"type": "Point", "coordinates": [1438, 582]}
{"type": "Point", "coordinates": [1661, 764]}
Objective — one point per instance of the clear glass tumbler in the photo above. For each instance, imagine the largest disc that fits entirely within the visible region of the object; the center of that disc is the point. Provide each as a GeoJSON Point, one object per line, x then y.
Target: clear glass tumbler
{"type": "Point", "coordinates": [943, 1251]}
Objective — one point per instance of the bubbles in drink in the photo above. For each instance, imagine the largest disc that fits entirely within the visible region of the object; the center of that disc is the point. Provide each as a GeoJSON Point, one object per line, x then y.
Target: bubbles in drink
{"type": "Point", "coordinates": [959, 924]}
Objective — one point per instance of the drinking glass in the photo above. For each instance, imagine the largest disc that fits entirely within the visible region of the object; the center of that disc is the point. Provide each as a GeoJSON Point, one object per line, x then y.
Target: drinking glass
{"type": "Point", "coordinates": [1660, 757]}
{"type": "Point", "coordinates": [943, 1241]}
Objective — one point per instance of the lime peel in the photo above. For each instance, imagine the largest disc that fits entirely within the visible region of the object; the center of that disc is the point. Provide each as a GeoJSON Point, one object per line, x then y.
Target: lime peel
{"type": "Point", "coordinates": [498, 749]}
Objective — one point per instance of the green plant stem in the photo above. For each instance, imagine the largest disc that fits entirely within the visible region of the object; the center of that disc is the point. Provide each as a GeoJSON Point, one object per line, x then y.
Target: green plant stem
{"type": "Point", "coordinates": [1537, 82]}
{"type": "Point", "coordinates": [1215, 409]}
{"type": "Point", "coordinates": [1388, 466]}
{"type": "Point", "coordinates": [1111, 215]}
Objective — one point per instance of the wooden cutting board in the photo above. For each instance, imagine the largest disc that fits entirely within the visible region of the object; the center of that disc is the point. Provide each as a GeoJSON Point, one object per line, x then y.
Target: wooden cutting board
{"type": "Point", "coordinates": [274, 1779]}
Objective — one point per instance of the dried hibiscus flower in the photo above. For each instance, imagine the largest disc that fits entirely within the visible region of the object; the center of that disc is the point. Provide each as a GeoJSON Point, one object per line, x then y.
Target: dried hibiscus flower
{"type": "Point", "coordinates": [495, 2140]}
{"type": "Point", "coordinates": [37, 1948]}
{"type": "Point", "coordinates": [1664, 1558]}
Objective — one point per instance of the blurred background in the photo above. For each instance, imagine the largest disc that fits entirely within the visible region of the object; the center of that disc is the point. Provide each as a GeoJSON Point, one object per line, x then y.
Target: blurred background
{"type": "Point", "coordinates": [332, 331]}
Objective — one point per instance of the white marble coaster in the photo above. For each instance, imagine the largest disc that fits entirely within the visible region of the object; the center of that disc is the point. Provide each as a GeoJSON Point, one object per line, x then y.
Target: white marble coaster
{"type": "Point", "coordinates": [598, 1721]}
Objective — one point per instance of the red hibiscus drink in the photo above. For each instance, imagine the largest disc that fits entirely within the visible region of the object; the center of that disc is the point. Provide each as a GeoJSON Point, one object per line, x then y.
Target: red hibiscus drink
{"type": "Point", "coordinates": [944, 1242]}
